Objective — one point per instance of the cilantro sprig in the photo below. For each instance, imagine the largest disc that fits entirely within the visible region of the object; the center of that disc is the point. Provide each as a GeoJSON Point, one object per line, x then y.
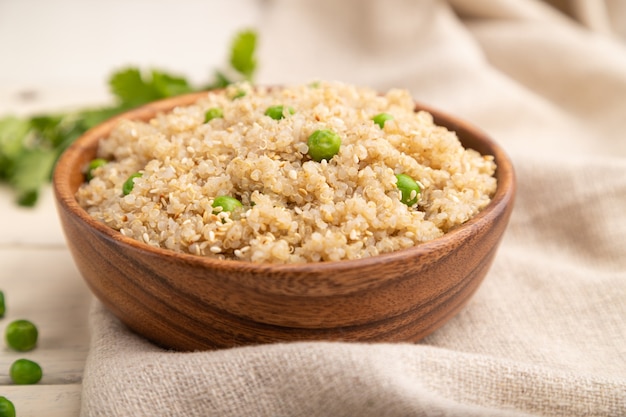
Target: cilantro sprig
{"type": "Point", "coordinates": [29, 147]}
{"type": "Point", "coordinates": [242, 54]}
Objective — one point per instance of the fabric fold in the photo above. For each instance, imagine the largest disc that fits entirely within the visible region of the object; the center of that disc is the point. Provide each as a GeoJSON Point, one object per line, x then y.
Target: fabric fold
{"type": "Point", "coordinates": [323, 379]}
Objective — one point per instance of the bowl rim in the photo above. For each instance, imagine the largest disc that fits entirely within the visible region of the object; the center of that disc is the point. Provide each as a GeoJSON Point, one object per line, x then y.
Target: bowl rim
{"type": "Point", "coordinates": [65, 199]}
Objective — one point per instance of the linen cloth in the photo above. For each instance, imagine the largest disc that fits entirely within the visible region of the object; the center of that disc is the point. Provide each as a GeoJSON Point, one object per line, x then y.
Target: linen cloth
{"type": "Point", "coordinates": [545, 334]}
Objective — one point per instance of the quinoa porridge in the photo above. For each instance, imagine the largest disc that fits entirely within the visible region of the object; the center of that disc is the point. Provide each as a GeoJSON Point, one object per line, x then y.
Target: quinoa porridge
{"type": "Point", "coordinates": [244, 173]}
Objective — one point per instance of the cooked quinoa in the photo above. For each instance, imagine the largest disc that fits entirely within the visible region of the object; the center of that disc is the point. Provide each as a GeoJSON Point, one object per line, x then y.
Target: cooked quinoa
{"type": "Point", "coordinates": [293, 209]}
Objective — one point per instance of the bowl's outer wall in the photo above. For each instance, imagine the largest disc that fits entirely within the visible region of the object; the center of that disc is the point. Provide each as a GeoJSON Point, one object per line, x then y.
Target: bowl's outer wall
{"type": "Point", "coordinates": [178, 302]}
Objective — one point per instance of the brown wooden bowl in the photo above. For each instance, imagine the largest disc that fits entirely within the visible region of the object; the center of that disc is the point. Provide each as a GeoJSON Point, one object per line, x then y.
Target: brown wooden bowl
{"type": "Point", "coordinates": [186, 302]}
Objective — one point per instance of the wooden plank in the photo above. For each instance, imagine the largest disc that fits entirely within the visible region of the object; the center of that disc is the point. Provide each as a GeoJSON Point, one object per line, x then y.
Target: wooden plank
{"type": "Point", "coordinates": [43, 285]}
{"type": "Point", "coordinates": [44, 400]}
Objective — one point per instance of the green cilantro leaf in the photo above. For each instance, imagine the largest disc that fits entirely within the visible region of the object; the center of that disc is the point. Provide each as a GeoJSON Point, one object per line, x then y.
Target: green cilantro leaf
{"type": "Point", "coordinates": [220, 81]}
{"type": "Point", "coordinates": [168, 85]}
{"type": "Point", "coordinates": [242, 56]}
{"type": "Point", "coordinates": [131, 89]}
{"type": "Point", "coordinates": [34, 167]}
{"type": "Point", "coordinates": [93, 117]}
{"type": "Point", "coordinates": [13, 132]}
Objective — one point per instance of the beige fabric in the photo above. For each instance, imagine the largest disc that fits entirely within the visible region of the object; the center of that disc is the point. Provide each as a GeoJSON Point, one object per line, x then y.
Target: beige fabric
{"type": "Point", "coordinates": [545, 335]}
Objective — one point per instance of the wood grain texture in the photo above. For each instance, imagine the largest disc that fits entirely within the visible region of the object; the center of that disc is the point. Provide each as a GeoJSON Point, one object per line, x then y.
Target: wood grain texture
{"type": "Point", "coordinates": [186, 302]}
{"type": "Point", "coordinates": [41, 284]}
{"type": "Point", "coordinates": [44, 400]}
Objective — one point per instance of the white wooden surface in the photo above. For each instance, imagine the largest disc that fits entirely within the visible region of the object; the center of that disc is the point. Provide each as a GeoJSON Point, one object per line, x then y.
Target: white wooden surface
{"type": "Point", "coordinates": [41, 284]}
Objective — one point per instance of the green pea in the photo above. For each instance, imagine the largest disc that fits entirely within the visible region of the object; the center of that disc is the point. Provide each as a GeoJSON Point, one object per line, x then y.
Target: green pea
{"type": "Point", "coordinates": [381, 118]}
{"type": "Point", "coordinates": [227, 203]}
{"type": "Point", "coordinates": [96, 163]}
{"type": "Point", "coordinates": [278, 112]}
{"type": "Point", "coordinates": [323, 144]}
{"type": "Point", "coordinates": [409, 188]}
{"type": "Point", "coordinates": [21, 335]}
{"type": "Point", "coordinates": [2, 305]}
{"type": "Point", "coordinates": [7, 409]}
{"type": "Point", "coordinates": [130, 183]}
{"type": "Point", "coordinates": [25, 372]}
{"type": "Point", "coordinates": [213, 113]}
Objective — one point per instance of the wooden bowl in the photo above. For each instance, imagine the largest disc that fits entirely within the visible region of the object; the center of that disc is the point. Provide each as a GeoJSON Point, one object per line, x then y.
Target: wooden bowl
{"type": "Point", "coordinates": [186, 302]}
